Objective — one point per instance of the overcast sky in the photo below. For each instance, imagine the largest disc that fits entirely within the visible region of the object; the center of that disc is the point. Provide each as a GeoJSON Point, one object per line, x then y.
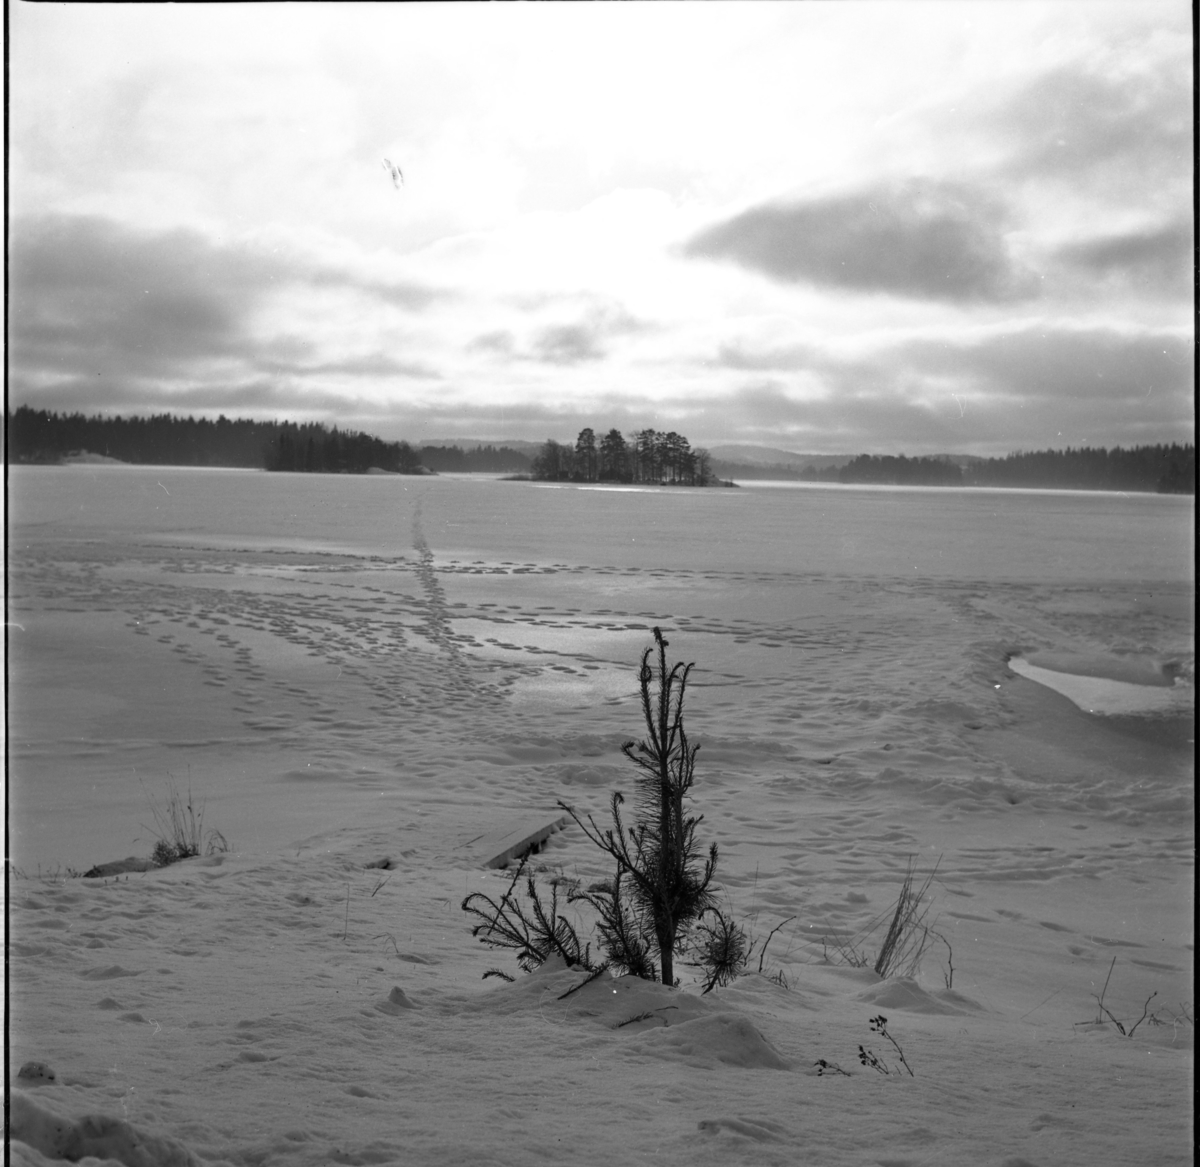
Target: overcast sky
{"type": "Point", "coordinates": [828, 227]}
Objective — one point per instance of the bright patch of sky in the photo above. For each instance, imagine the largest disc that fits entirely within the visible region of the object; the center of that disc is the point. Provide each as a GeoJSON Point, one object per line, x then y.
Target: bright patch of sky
{"type": "Point", "coordinates": [858, 227]}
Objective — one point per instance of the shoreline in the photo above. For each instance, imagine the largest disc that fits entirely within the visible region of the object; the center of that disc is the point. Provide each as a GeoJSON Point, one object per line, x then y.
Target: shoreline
{"type": "Point", "coordinates": [96, 460]}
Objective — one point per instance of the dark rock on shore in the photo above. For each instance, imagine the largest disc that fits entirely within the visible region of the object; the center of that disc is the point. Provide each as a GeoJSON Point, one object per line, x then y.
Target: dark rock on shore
{"type": "Point", "coordinates": [119, 867]}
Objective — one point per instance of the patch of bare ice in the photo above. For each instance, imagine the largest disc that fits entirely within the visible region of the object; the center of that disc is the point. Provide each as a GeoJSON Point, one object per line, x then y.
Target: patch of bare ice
{"type": "Point", "coordinates": [1108, 697]}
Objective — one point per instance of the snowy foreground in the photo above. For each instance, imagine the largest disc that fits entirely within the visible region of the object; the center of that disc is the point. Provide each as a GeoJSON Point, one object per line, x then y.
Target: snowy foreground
{"type": "Point", "coordinates": [358, 722]}
{"type": "Point", "coordinates": [234, 1009]}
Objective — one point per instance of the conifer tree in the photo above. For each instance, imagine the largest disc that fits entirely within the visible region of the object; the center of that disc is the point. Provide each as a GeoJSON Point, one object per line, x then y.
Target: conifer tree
{"type": "Point", "coordinates": [661, 887]}
{"type": "Point", "coordinates": [659, 902]}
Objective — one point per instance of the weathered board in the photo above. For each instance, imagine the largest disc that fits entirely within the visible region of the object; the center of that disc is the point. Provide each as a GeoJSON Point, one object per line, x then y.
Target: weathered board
{"type": "Point", "coordinates": [513, 837]}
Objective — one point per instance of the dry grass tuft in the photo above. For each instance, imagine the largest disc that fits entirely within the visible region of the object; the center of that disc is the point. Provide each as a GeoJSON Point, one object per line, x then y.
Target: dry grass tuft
{"type": "Point", "coordinates": [1128, 1027]}
{"type": "Point", "coordinates": [908, 934]}
{"type": "Point", "coordinates": [179, 829]}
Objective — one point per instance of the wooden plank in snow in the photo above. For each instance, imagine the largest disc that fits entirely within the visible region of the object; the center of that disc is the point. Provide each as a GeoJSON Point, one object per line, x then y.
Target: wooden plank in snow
{"type": "Point", "coordinates": [513, 837]}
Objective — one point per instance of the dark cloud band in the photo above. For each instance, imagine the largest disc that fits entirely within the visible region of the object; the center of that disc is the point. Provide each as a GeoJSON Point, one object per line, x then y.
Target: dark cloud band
{"type": "Point", "coordinates": [93, 301]}
{"type": "Point", "coordinates": [924, 240]}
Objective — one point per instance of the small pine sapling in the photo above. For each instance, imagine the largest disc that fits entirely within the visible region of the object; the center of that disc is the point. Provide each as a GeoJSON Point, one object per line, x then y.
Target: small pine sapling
{"type": "Point", "coordinates": [661, 889]}
{"type": "Point", "coordinates": [536, 931]}
{"type": "Point", "coordinates": [648, 1015]}
{"type": "Point", "coordinates": [622, 928]}
{"type": "Point", "coordinates": [721, 949]}
{"type": "Point", "coordinates": [595, 974]}
{"type": "Point", "coordinates": [658, 904]}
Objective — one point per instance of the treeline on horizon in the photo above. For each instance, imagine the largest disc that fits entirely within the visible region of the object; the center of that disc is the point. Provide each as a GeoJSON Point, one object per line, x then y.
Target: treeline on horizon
{"type": "Point", "coordinates": [315, 449]}
{"type": "Point", "coordinates": [647, 456]}
{"type": "Point", "coordinates": [481, 460]}
{"type": "Point", "coordinates": [39, 436]}
{"type": "Point", "coordinates": [1162, 469]}
{"type": "Point", "coordinates": [166, 440]}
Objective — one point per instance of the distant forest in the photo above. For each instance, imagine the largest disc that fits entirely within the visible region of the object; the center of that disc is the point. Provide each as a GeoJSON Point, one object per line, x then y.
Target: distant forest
{"type": "Point", "coordinates": [901, 471]}
{"type": "Point", "coordinates": [314, 448]}
{"type": "Point", "coordinates": [646, 456]}
{"type": "Point", "coordinates": [1164, 469]}
{"type": "Point", "coordinates": [164, 440]}
{"type": "Point", "coordinates": [482, 460]}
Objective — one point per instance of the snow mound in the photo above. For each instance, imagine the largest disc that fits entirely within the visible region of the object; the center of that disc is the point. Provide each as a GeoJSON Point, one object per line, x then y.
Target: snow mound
{"type": "Point", "coordinates": [904, 993]}
{"type": "Point", "coordinates": [397, 1002]}
{"type": "Point", "coordinates": [663, 1022]}
{"type": "Point", "coordinates": [99, 1136]}
{"type": "Point", "coordinates": [583, 775]}
{"type": "Point", "coordinates": [553, 989]}
{"type": "Point", "coordinates": [761, 1130]}
{"type": "Point", "coordinates": [633, 1003]}
{"type": "Point", "coordinates": [728, 1038]}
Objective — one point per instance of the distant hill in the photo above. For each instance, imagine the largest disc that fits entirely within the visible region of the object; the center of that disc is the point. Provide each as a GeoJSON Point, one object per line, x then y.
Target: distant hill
{"type": "Point", "coordinates": [522, 447]}
{"type": "Point", "coordinates": [764, 462]}
{"type": "Point", "coordinates": [487, 459]}
{"type": "Point", "coordinates": [769, 456]}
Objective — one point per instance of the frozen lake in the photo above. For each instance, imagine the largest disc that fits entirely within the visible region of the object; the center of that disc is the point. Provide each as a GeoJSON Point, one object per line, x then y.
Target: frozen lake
{"type": "Point", "coordinates": [370, 673]}
{"type": "Point", "coordinates": [301, 647]}
{"type": "Point", "coordinates": [965, 535]}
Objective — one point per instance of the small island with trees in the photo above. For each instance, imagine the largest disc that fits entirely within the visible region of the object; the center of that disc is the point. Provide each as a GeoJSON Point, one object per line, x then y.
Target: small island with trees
{"type": "Point", "coordinates": [647, 457]}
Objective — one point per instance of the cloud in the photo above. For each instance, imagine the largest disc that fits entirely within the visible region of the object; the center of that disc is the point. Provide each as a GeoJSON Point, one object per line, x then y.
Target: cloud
{"type": "Point", "coordinates": [398, 294]}
{"type": "Point", "coordinates": [95, 299]}
{"type": "Point", "coordinates": [1156, 260]}
{"type": "Point", "coordinates": [500, 341]}
{"type": "Point", "coordinates": [584, 339]}
{"type": "Point", "coordinates": [256, 397]}
{"type": "Point", "coordinates": [993, 393]}
{"type": "Point", "coordinates": [786, 358]}
{"type": "Point", "coordinates": [1038, 388]}
{"type": "Point", "coordinates": [568, 344]}
{"type": "Point", "coordinates": [88, 293]}
{"type": "Point", "coordinates": [1122, 125]}
{"type": "Point", "coordinates": [921, 239]}
{"type": "Point", "coordinates": [371, 365]}
{"type": "Point", "coordinates": [1095, 368]}
{"type": "Point", "coordinates": [1020, 387]}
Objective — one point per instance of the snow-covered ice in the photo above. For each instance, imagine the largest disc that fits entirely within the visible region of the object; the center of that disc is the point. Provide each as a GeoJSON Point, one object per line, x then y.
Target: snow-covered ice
{"type": "Point", "coordinates": [363, 677]}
